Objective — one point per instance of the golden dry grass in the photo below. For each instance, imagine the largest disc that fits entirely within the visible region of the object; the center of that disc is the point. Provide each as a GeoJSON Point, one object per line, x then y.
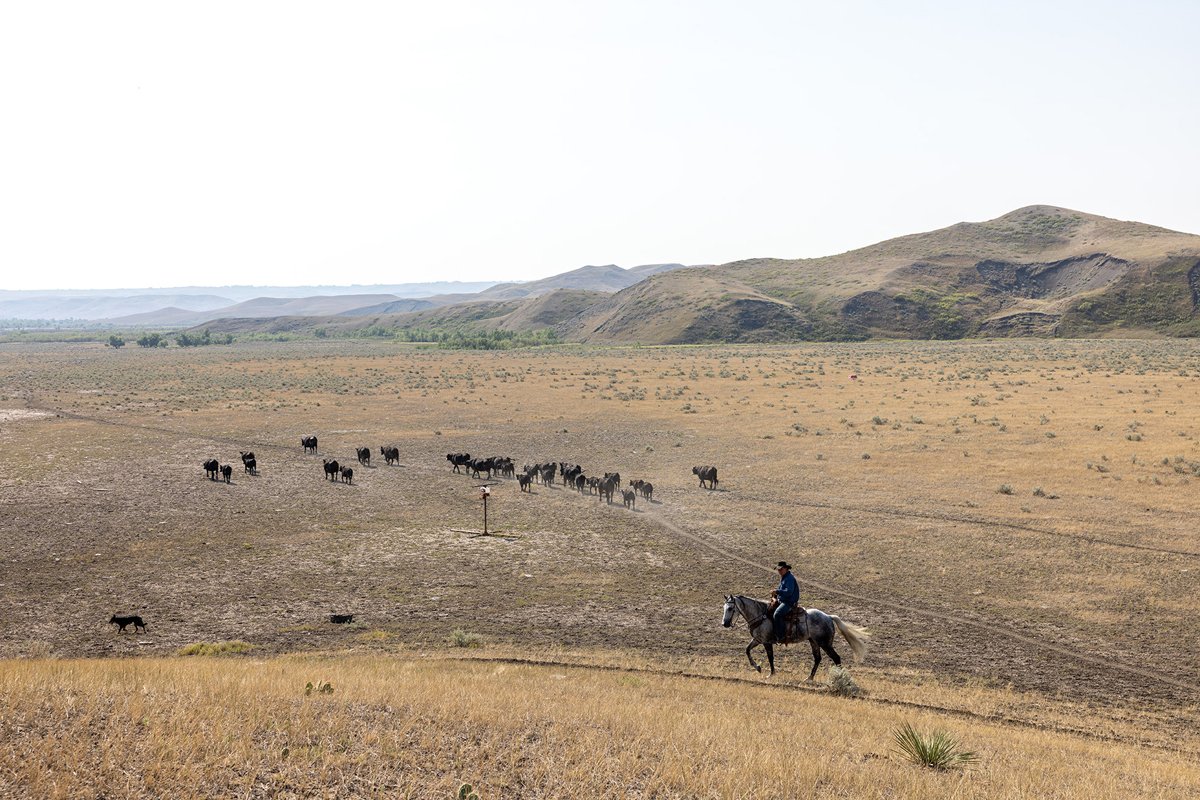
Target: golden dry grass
{"type": "Point", "coordinates": [396, 727]}
{"type": "Point", "coordinates": [1074, 609]}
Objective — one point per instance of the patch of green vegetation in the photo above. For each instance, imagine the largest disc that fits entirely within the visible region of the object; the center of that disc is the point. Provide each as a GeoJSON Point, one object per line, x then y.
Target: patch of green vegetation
{"type": "Point", "coordinates": [947, 315]}
{"type": "Point", "coordinates": [466, 338]}
{"type": "Point", "coordinates": [202, 340]}
{"type": "Point", "coordinates": [215, 648]}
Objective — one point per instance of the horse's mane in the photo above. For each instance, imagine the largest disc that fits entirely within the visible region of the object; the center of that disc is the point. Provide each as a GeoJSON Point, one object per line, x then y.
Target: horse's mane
{"type": "Point", "coordinates": [762, 603]}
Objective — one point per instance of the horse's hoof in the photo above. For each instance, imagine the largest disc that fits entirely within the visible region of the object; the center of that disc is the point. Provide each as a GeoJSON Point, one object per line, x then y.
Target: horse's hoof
{"type": "Point", "coordinates": [759, 669]}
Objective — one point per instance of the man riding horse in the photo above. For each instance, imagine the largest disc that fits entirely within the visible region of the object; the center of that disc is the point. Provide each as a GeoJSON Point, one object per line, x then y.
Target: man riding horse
{"type": "Point", "coordinates": [784, 598]}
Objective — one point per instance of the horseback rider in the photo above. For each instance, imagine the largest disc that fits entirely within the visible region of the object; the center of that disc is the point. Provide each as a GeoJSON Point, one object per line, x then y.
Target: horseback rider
{"type": "Point", "coordinates": [785, 596]}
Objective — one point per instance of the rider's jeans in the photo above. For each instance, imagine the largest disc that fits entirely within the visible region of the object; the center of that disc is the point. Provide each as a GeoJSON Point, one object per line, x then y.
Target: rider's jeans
{"type": "Point", "coordinates": [777, 620]}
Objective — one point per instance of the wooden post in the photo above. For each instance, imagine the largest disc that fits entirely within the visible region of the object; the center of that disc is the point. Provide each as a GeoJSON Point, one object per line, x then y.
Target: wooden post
{"type": "Point", "coordinates": [484, 492]}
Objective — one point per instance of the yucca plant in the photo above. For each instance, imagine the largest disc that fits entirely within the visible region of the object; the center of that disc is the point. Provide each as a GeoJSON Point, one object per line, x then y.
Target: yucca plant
{"type": "Point", "coordinates": [939, 750]}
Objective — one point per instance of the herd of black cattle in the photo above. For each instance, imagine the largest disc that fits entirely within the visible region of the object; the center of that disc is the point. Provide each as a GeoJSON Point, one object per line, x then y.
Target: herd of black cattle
{"type": "Point", "coordinates": [572, 476]}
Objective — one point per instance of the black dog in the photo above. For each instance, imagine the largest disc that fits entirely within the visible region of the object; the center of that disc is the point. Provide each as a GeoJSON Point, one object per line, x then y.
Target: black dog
{"type": "Point", "coordinates": [121, 622]}
{"type": "Point", "coordinates": [341, 619]}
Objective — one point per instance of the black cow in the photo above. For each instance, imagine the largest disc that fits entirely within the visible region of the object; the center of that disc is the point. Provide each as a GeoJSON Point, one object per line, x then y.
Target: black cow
{"type": "Point", "coordinates": [478, 465]}
{"type": "Point", "coordinates": [249, 463]}
{"type": "Point", "coordinates": [348, 475]}
{"type": "Point", "coordinates": [364, 456]}
{"type": "Point", "coordinates": [458, 459]}
{"type": "Point", "coordinates": [121, 622]}
{"type": "Point", "coordinates": [647, 490]}
{"type": "Point", "coordinates": [309, 442]}
{"type": "Point", "coordinates": [332, 470]}
{"type": "Point", "coordinates": [629, 496]}
{"type": "Point", "coordinates": [227, 472]}
{"type": "Point", "coordinates": [341, 619]}
{"type": "Point", "coordinates": [581, 482]}
{"type": "Point", "coordinates": [707, 475]}
{"type": "Point", "coordinates": [211, 468]}
{"type": "Point", "coordinates": [606, 488]}
{"type": "Point", "coordinates": [524, 481]}
{"type": "Point", "coordinates": [390, 454]}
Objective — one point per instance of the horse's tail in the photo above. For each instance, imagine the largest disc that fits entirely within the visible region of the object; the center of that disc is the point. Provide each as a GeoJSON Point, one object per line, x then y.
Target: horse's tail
{"type": "Point", "coordinates": [856, 636]}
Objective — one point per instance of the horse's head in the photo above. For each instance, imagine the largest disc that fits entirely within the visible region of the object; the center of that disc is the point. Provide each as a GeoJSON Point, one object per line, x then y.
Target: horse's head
{"type": "Point", "coordinates": [727, 621]}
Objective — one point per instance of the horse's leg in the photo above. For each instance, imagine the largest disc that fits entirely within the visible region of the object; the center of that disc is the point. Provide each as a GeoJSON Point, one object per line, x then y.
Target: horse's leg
{"type": "Point", "coordinates": [837, 660]}
{"type": "Point", "coordinates": [770, 648]}
{"type": "Point", "coordinates": [750, 647]}
{"type": "Point", "coordinates": [816, 657]}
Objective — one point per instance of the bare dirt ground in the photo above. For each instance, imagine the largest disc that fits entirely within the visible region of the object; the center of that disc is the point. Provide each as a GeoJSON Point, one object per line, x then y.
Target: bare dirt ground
{"type": "Point", "coordinates": [1016, 515]}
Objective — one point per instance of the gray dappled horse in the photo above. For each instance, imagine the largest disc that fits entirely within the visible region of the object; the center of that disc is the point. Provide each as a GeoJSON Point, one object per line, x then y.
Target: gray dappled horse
{"type": "Point", "coordinates": [817, 627]}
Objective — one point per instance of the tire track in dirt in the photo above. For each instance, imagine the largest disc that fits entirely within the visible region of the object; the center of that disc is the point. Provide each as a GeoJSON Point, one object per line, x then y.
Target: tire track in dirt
{"type": "Point", "coordinates": [989, 628]}
{"type": "Point", "coordinates": [169, 431]}
{"type": "Point", "coordinates": [886, 702]}
{"type": "Point", "coordinates": [891, 512]}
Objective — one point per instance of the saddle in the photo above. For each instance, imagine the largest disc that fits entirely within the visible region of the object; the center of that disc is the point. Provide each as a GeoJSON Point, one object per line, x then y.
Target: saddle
{"type": "Point", "coordinates": [795, 625]}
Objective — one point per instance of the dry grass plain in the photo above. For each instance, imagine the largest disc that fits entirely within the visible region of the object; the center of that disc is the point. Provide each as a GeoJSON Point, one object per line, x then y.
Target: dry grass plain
{"type": "Point", "coordinates": [1015, 521]}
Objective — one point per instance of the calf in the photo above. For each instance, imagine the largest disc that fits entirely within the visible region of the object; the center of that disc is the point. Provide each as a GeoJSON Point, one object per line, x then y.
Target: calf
{"type": "Point", "coordinates": [630, 497]}
{"type": "Point", "coordinates": [211, 467]}
{"type": "Point", "coordinates": [227, 472]}
{"type": "Point", "coordinates": [347, 475]}
{"type": "Point", "coordinates": [524, 482]}
{"type": "Point", "coordinates": [364, 456]}
{"type": "Point", "coordinates": [121, 622]}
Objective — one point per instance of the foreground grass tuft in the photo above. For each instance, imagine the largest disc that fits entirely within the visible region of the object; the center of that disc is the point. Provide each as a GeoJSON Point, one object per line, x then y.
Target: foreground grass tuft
{"type": "Point", "coordinates": [215, 648]}
{"type": "Point", "coordinates": [939, 750]}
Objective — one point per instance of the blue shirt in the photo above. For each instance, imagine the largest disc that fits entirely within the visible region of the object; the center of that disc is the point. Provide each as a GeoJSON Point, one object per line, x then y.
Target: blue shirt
{"type": "Point", "coordinates": [788, 590]}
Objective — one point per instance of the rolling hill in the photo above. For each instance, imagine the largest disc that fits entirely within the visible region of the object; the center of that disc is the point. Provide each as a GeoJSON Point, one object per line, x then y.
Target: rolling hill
{"type": "Point", "coordinates": [1040, 271]}
{"type": "Point", "coordinates": [1037, 271]}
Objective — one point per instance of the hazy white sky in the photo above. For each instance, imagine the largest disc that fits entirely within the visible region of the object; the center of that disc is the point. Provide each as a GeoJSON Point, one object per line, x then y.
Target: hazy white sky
{"type": "Point", "coordinates": [166, 144]}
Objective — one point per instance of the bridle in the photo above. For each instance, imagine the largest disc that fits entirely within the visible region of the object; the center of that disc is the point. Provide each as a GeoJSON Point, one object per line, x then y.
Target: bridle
{"type": "Point", "coordinates": [750, 623]}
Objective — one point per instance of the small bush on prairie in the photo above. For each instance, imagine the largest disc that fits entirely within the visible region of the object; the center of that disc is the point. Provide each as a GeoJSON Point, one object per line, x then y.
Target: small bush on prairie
{"type": "Point", "coordinates": [1005, 489]}
{"type": "Point", "coordinates": [842, 683]}
{"type": "Point", "coordinates": [461, 638]}
{"type": "Point", "coordinates": [938, 750]}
